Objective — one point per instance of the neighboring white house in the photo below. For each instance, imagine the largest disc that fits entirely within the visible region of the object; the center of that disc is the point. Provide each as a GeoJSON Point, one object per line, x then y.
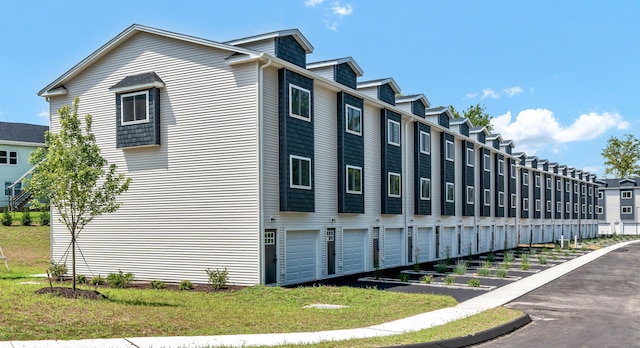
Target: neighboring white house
{"type": "Point", "coordinates": [17, 142]}
{"type": "Point", "coordinates": [619, 206]}
{"type": "Point", "coordinates": [246, 157]}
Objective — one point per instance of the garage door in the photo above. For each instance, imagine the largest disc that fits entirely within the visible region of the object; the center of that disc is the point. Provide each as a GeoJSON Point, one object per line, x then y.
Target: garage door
{"type": "Point", "coordinates": [301, 256]}
{"type": "Point", "coordinates": [425, 239]}
{"type": "Point", "coordinates": [353, 251]}
{"type": "Point", "coordinates": [392, 248]}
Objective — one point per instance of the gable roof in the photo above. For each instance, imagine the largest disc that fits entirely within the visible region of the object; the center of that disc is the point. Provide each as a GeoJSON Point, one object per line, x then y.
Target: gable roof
{"type": "Point", "coordinates": [413, 97]}
{"type": "Point", "coordinates": [380, 82]}
{"type": "Point", "coordinates": [297, 35]}
{"type": "Point", "coordinates": [124, 36]}
{"type": "Point", "coordinates": [22, 133]}
{"type": "Point", "coordinates": [331, 62]}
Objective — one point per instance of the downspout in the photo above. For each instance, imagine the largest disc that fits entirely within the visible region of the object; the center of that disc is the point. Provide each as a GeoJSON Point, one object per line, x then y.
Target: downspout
{"type": "Point", "coordinates": [261, 167]}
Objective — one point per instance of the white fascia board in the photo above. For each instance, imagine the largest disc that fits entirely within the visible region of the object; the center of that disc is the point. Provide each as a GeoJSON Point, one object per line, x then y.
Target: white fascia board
{"type": "Point", "coordinates": [332, 62]}
{"type": "Point", "coordinates": [155, 84]}
{"type": "Point", "coordinates": [21, 143]}
{"type": "Point", "coordinates": [297, 35]}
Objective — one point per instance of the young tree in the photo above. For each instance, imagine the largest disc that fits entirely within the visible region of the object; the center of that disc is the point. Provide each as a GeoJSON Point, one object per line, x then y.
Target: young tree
{"type": "Point", "coordinates": [76, 179]}
{"type": "Point", "coordinates": [621, 157]}
{"type": "Point", "coordinates": [476, 114]}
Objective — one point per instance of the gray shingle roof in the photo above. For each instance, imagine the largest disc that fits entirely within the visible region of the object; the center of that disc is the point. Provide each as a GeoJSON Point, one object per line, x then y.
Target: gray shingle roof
{"type": "Point", "coordinates": [23, 132]}
{"type": "Point", "coordinates": [141, 79]}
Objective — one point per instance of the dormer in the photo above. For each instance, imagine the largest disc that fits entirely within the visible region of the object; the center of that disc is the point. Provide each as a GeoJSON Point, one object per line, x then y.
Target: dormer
{"type": "Point", "coordinates": [461, 125]}
{"type": "Point", "coordinates": [602, 183]}
{"type": "Point", "coordinates": [532, 161]}
{"type": "Point", "coordinates": [479, 134]}
{"type": "Point", "coordinates": [553, 167]}
{"type": "Point", "coordinates": [592, 177]}
{"type": "Point", "coordinates": [579, 174]}
{"type": "Point", "coordinates": [383, 89]}
{"type": "Point", "coordinates": [289, 45]}
{"type": "Point", "coordinates": [415, 104]}
{"type": "Point", "coordinates": [507, 146]}
{"type": "Point", "coordinates": [440, 115]}
{"type": "Point", "coordinates": [521, 158]}
{"type": "Point", "coordinates": [344, 71]}
{"type": "Point", "coordinates": [571, 172]}
{"type": "Point", "coordinates": [543, 164]}
{"type": "Point", "coordinates": [562, 169]}
{"type": "Point", "coordinates": [627, 182]}
{"type": "Point", "coordinates": [495, 140]}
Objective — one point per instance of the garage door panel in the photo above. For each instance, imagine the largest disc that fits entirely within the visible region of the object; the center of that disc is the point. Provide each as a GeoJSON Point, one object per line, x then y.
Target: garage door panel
{"type": "Point", "coordinates": [393, 248]}
{"type": "Point", "coordinates": [353, 251]}
{"type": "Point", "coordinates": [301, 256]}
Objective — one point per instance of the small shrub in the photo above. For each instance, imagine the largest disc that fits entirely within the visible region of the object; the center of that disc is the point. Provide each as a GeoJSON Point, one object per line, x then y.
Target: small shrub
{"type": "Point", "coordinates": [491, 257]}
{"type": "Point", "coordinates": [157, 285]}
{"type": "Point", "coordinates": [404, 277]}
{"type": "Point", "coordinates": [186, 285]}
{"type": "Point", "coordinates": [525, 258]}
{"type": "Point", "coordinates": [378, 273]}
{"type": "Point", "coordinates": [97, 280]}
{"type": "Point", "coordinates": [7, 219]}
{"type": "Point", "coordinates": [25, 220]}
{"type": "Point", "coordinates": [45, 218]}
{"type": "Point", "coordinates": [484, 272]}
{"type": "Point", "coordinates": [542, 260]}
{"type": "Point", "coordinates": [81, 279]}
{"type": "Point", "coordinates": [566, 253]}
{"type": "Point", "coordinates": [525, 265]}
{"type": "Point", "coordinates": [554, 257]}
{"type": "Point", "coordinates": [120, 280]}
{"type": "Point", "coordinates": [502, 273]}
{"type": "Point", "coordinates": [486, 264]}
{"type": "Point", "coordinates": [441, 267]}
{"type": "Point", "coordinates": [449, 280]}
{"type": "Point", "coordinates": [217, 278]}
{"type": "Point", "coordinates": [460, 268]}
{"type": "Point", "coordinates": [426, 279]}
{"type": "Point", "coordinates": [509, 256]}
{"type": "Point", "coordinates": [474, 283]}
{"type": "Point", "coordinates": [57, 270]}
{"type": "Point", "coordinates": [532, 251]}
{"type": "Point", "coordinates": [544, 250]}
{"type": "Point", "coordinates": [416, 265]}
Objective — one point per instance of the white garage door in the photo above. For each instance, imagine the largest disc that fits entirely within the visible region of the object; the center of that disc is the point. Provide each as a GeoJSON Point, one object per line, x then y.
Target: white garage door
{"type": "Point", "coordinates": [392, 248]}
{"type": "Point", "coordinates": [353, 251]}
{"type": "Point", "coordinates": [301, 256]}
{"type": "Point", "coordinates": [425, 240]}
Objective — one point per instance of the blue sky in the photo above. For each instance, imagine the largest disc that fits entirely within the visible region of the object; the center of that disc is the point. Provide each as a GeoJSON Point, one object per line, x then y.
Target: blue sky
{"type": "Point", "coordinates": [560, 77]}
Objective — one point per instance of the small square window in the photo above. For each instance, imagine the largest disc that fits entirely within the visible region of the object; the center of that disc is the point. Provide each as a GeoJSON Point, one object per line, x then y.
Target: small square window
{"type": "Point", "coordinates": [9, 157]}
{"type": "Point", "coordinates": [575, 207]}
{"type": "Point", "coordinates": [559, 207]}
{"type": "Point", "coordinates": [567, 186]}
{"type": "Point", "coordinates": [501, 199]}
{"type": "Point", "coordinates": [470, 195]}
{"type": "Point", "coordinates": [470, 157]}
{"type": "Point", "coordinates": [300, 172]}
{"type": "Point", "coordinates": [450, 193]}
{"type": "Point", "coordinates": [425, 142]}
{"type": "Point", "coordinates": [487, 197]}
{"type": "Point", "coordinates": [626, 210]}
{"type": "Point", "coordinates": [354, 120]}
{"type": "Point", "coordinates": [134, 108]}
{"type": "Point", "coordinates": [393, 135]}
{"type": "Point", "coordinates": [487, 163]}
{"type": "Point", "coordinates": [299, 103]}
{"type": "Point", "coordinates": [448, 151]}
{"type": "Point", "coordinates": [394, 185]}
{"type": "Point", "coordinates": [600, 195]}
{"type": "Point", "coordinates": [600, 210]}
{"type": "Point", "coordinates": [354, 179]}
{"type": "Point", "coordinates": [538, 205]}
{"type": "Point", "coordinates": [625, 194]}
{"type": "Point", "coordinates": [559, 185]}
{"type": "Point", "coordinates": [525, 204]}
{"type": "Point", "coordinates": [16, 189]}
{"type": "Point", "coordinates": [568, 207]}
{"type": "Point", "coordinates": [525, 178]}
{"type": "Point", "coordinates": [425, 189]}
{"type": "Point", "coordinates": [513, 200]}
{"type": "Point", "coordinates": [513, 170]}
{"type": "Point", "coordinates": [500, 166]}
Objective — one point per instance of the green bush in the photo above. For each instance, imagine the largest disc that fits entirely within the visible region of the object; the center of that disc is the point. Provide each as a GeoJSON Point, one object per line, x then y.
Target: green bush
{"type": "Point", "coordinates": [449, 280]}
{"type": "Point", "coordinates": [81, 279]}
{"type": "Point", "coordinates": [186, 285]}
{"type": "Point", "coordinates": [45, 218]}
{"type": "Point", "coordinates": [97, 280]}
{"type": "Point", "coordinates": [157, 285]}
{"type": "Point", "coordinates": [502, 273]}
{"type": "Point", "coordinates": [542, 260]}
{"type": "Point", "coordinates": [120, 280]}
{"type": "Point", "coordinates": [7, 219]}
{"type": "Point", "coordinates": [217, 278]}
{"type": "Point", "coordinates": [441, 267]}
{"type": "Point", "coordinates": [525, 265]}
{"type": "Point", "coordinates": [509, 256]}
{"type": "Point", "coordinates": [378, 273]}
{"type": "Point", "coordinates": [426, 279]}
{"type": "Point", "coordinates": [474, 283]}
{"type": "Point", "coordinates": [57, 270]}
{"type": "Point", "coordinates": [491, 257]}
{"type": "Point", "coordinates": [484, 271]}
{"type": "Point", "coordinates": [460, 268]}
{"type": "Point", "coordinates": [26, 217]}
{"type": "Point", "coordinates": [404, 277]}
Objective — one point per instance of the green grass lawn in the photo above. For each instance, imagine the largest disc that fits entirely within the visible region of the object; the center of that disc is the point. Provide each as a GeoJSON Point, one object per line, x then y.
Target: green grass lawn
{"type": "Point", "coordinates": [25, 315]}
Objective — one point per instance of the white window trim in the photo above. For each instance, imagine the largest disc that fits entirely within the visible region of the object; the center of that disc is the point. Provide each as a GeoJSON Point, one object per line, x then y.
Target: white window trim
{"type": "Point", "coordinates": [487, 197]}
{"type": "Point", "coordinates": [446, 192]}
{"type": "Point", "coordinates": [470, 159]}
{"type": "Point", "coordinates": [346, 119]}
{"type": "Point", "coordinates": [389, 175]}
{"type": "Point", "coordinates": [425, 181]}
{"type": "Point", "coordinates": [625, 193]}
{"type": "Point", "coordinates": [549, 183]}
{"type": "Point", "coordinates": [549, 206]}
{"type": "Point", "coordinates": [575, 207]}
{"type": "Point", "coordinates": [513, 200]}
{"type": "Point", "coordinates": [500, 166]}
{"type": "Point", "coordinates": [559, 185]}
{"type": "Point", "coordinates": [500, 199]}
{"type": "Point", "coordinates": [487, 163]}
{"type": "Point", "coordinates": [590, 191]}
{"type": "Point", "coordinates": [584, 208]}
{"type": "Point", "coordinates": [538, 205]}
{"type": "Point", "coordinates": [600, 210]}
{"type": "Point", "coordinates": [567, 186]}
{"type": "Point", "coordinates": [537, 179]}
{"type": "Point", "coordinates": [424, 135]}
{"type": "Point", "coordinates": [390, 133]}
{"type": "Point", "coordinates": [525, 179]}
{"type": "Point", "coordinates": [626, 209]}
{"type": "Point", "coordinates": [347, 179]}
{"type": "Point", "coordinates": [9, 158]}
{"type": "Point", "coordinates": [600, 195]}
{"type": "Point", "coordinates": [558, 207]}
{"type": "Point", "coordinates": [449, 155]}
{"type": "Point", "coordinates": [513, 170]}
{"type": "Point", "coordinates": [291, 185]}
{"type": "Point", "coordinates": [567, 208]}
{"type": "Point", "coordinates": [133, 94]}
{"type": "Point", "coordinates": [470, 194]}
{"type": "Point", "coordinates": [525, 204]}
{"type": "Point", "coordinates": [300, 117]}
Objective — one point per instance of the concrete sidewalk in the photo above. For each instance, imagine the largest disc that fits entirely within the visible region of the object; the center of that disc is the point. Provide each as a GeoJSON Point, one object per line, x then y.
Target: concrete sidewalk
{"type": "Point", "coordinates": [423, 321]}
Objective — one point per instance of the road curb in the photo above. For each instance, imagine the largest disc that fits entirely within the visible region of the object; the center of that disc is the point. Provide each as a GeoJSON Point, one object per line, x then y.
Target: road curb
{"type": "Point", "coordinates": [476, 338]}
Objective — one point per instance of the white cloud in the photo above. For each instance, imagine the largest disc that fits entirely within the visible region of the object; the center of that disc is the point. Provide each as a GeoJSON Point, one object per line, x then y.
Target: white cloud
{"type": "Point", "coordinates": [536, 129]}
{"type": "Point", "coordinates": [513, 91]}
{"type": "Point", "coordinates": [489, 93]}
{"type": "Point", "coordinates": [43, 113]}
{"type": "Point", "coordinates": [341, 10]}
{"type": "Point", "coordinates": [331, 25]}
{"type": "Point", "coordinates": [313, 3]}
{"type": "Point", "coordinates": [472, 95]}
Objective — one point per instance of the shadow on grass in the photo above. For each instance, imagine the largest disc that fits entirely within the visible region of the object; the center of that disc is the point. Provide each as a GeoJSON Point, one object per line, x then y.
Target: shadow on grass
{"type": "Point", "coordinates": [139, 302]}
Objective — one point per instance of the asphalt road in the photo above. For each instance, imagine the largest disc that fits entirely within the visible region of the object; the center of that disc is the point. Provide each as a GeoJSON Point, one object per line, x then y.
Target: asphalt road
{"type": "Point", "coordinates": [596, 305]}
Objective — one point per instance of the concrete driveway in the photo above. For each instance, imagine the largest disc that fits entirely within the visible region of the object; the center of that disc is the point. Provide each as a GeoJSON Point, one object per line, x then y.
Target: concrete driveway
{"type": "Point", "coordinates": [596, 305]}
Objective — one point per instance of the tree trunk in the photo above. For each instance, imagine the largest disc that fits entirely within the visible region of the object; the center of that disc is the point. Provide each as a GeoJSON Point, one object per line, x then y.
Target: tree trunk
{"type": "Point", "coordinates": [73, 259]}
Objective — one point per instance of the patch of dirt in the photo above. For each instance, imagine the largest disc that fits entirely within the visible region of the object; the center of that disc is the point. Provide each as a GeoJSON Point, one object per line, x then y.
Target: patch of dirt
{"type": "Point", "coordinates": [70, 293]}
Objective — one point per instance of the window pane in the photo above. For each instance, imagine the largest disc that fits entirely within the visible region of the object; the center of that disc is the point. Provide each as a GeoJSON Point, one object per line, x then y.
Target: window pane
{"type": "Point", "coordinates": [354, 120]}
{"type": "Point", "coordinates": [305, 172]}
{"type": "Point", "coordinates": [141, 107]}
{"type": "Point", "coordinates": [13, 157]}
{"type": "Point", "coordinates": [127, 109]}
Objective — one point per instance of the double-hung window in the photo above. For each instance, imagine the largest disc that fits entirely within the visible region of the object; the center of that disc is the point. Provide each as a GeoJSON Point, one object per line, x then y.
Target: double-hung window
{"type": "Point", "coordinates": [450, 192]}
{"type": "Point", "coordinates": [525, 204]}
{"type": "Point", "coordinates": [425, 142]}
{"type": "Point", "coordinates": [470, 155]}
{"type": "Point", "coordinates": [299, 103]}
{"type": "Point", "coordinates": [300, 172]}
{"type": "Point", "coordinates": [448, 150]}
{"type": "Point", "coordinates": [558, 185]}
{"type": "Point", "coordinates": [470, 197]}
{"type": "Point", "coordinates": [487, 197]}
{"type": "Point", "coordinates": [525, 178]}
{"type": "Point", "coordinates": [393, 132]}
{"type": "Point", "coordinates": [559, 207]}
{"type": "Point", "coordinates": [537, 179]}
{"type": "Point", "coordinates": [549, 206]}
{"type": "Point", "coordinates": [487, 163]}
{"type": "Point", "coordinates": [393, 185]}
{"type": "Point", "coordinates": [500, 199]}
{"type": "Point", "coordinates": [568, 186]}
{"type": "Point", "coordinates": [625, 194]}
{"type": "Point", "coordinates": [9, 157]}
{"type": "Point", "coordinates": [549, 183]}
{"type": "Point", "coordinates": [575, 207]}
{"type": "Point", "coordinates": [354, 120]}
{"type": "Point", "coordinates": [568, 208]}
{"type": "Point", "coordinates": [513, 200]}
{"type": "Point", "coordinates": [600, 194]}
{"type": "Point", "coordinates": [134, 108]}
{"type": "Point", "coordinates": [537, 205]}
{"type": "Point", "coordinates": [500, 167]}
{"type": "Point", "coordinates": [425, 189]}
{"type": "Point", "coordinates": [513, 170]}
{"type": "Point", "coordinates": [354, 179]}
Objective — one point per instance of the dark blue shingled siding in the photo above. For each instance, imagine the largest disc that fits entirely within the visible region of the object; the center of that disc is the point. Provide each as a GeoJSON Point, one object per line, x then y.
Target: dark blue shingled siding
{"type": "Point", "coordinates": [343, 74]}
{"type": "Point", "coordinates": [499, 185]}
{"type": "Point", "coordinates": [567, 213]}
{"type": "Point", "coordinates": [536, 195]}
{"type": "Point", "coordinates": [141, 134]}
{"type": "Point", "coordinates": [485, 181]}
{"type": "Point", "coordinates": [525, 194]}
{"type": "Point", "coordinates": [443, 120]}
{"type": "Point", "coordinates": [627, 202]}
{"type": "Point", "coordinates": [548, 195]}
{"type": "Point", "coordinates": [422, 165]}
{"type": "Point", "coordinates": [350, 152]}
{"type": "Point", "coordinates": [447, 174]}
{"type": "Point", "coordinates": [386, 94]}
{"type": "Point", "coordinates": [512, 188]}
{"type": "Point", "coordinates": [464, 129]}
{"type": "Point", "coordinates": [418, 108]}
{"type": "Point", "coordinates": [296, 138]}
{"type": "Point", "coordinates": [468, 177]}
{"type": "Point", "coordinates": [287, 48]}
{"type": "Point", "coordinates": [391, 162]}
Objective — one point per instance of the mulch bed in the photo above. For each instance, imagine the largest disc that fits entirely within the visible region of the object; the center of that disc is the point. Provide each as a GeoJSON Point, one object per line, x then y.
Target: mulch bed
{"type": "Point", "coordinates": [70, 293]}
